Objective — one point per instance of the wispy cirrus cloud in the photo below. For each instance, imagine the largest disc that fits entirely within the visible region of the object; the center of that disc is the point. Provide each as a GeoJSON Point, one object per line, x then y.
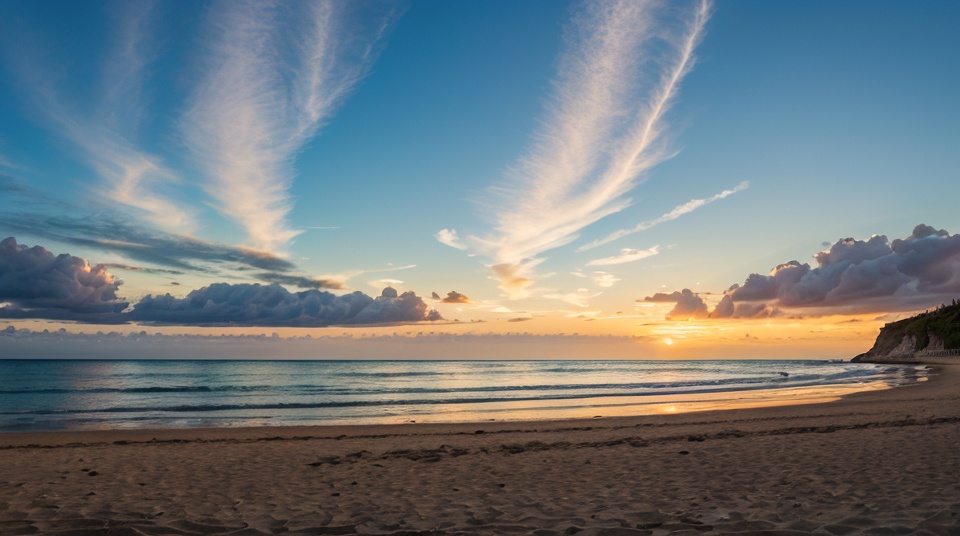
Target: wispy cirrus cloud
{"type": "Point", "coordinates": [601, 279]}
{"type": "Point", "coordinates": [106, 233]}
{"type": "Point", "coordinates": [350, 274]}
{"type": "Point", "coordinates": [626, 255]}
{"type": "Point", "coordinates": [581, 298]}
{"type": "Point", "coordinates": [275, 72]}
{"type": "Point", "coordinates": [299, 281]}
{"type": "Point", "coordinates": [680, 210]}
{"type": "Point", "coordinates": [5, 163]}
{"type": "Point", "coordinates": [603, 129]}
{"type": "Point", "coordinates": [449, 237]}
{"type": "Point", "coordinates": [115, 233]}
{"type": "Point", "coordinates": [106, 126]}
{"type": "Point", "coordinates": [17, 193]}
{"type": "Point", "coordinates": [137, 178]}
{"type": "Point", "coordinates": [131, 268]}
{"type": "Point", "coordinates": [134, 178]}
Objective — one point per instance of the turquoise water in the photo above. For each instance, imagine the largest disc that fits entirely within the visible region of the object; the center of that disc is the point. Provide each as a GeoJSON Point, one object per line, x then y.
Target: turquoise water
{"type": "Point", "coordinates": [69, 394]}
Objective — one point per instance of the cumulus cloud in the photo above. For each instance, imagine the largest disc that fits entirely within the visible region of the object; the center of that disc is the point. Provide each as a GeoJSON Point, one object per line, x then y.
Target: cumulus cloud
{"type": "Point", "coordinates": [685, 208]}
{"type": "Point", "coordinates": [254, 109]}
{"type": "Point", "coordinates": [273, 305]}
{"type": "Point", "coordinates": [688, 304]}
{"type": "Point", "coordinates": [618, 75]}
{"type": "Point", "coordinates": [455, 297]}
{"type": "Point", "coordinates": [36, 283]}
{"type": "Point", "coordinates": [626, 255]}
{"type": "Point", "coordinates": [873, 275]}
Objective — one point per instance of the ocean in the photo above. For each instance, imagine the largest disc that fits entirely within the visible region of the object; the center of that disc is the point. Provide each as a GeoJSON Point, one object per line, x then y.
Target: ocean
{"type": "Point", "coordinates": [37, 395]}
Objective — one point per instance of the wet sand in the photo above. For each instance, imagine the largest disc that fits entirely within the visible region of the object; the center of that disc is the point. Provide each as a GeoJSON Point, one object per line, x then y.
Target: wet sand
{"type": "Point", "coordinates": [882, 462]}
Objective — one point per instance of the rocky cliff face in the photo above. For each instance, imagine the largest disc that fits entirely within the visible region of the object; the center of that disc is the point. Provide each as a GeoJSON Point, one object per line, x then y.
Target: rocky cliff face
{"type": "Point", "coordinates": [930, 334]}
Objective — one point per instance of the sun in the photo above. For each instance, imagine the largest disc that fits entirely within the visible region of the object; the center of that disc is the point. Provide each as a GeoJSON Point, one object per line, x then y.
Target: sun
{"type": "Point", "coordinates": [668, 341]}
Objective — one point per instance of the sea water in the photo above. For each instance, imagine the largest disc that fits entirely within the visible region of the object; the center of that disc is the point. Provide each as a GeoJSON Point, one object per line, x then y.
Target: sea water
{"type": "Point", "coordinates": [112, 394]}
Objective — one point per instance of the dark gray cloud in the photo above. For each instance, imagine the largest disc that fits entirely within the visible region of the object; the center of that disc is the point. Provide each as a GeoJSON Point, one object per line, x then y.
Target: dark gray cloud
{"type": "Point", "coordinates": [388, 307]}
{"type": "Point", "coordinates": [455, 297]}
{"type": "Point", "coordinates": [688, 304]}
{"type": "Point", "coordinates": [112, 233]}
{"type": "Point", "coordinates": [272, 305]}
{"type": "Point", "coordinates": [14, 188]}
{"type": "Point", "coordinates": [299, 281]}
{"type": "Point", "coordinates": [11, 186]}
{"type": "Point", "coordinates": [143, 269]}
{"type": "Point", "coordinates": [871, 275]}
{"type": "Point", "coordinates": [663, 297]}
{"type": "Point", "coordinates": [36, 283]}
{"type": "Point", "coordinates": [389, 292]}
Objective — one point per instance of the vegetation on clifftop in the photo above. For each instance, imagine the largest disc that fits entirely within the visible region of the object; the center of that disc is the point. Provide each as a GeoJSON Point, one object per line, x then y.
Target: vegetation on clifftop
{"type": "Point", "coordinates": [943, 323]}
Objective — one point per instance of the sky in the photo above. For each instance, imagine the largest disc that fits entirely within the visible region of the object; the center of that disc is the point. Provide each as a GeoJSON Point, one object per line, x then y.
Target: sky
{"type": "Point", "coordinates": [477, 179]}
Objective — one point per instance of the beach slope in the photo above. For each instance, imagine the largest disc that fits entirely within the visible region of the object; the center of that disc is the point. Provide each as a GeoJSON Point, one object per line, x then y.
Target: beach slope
{"type": "Point", "coordinates": [881, 462]}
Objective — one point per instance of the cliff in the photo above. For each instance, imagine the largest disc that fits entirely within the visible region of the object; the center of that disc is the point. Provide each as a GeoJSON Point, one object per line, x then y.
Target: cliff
{"type": "Point", "coordinates": [929, 336]}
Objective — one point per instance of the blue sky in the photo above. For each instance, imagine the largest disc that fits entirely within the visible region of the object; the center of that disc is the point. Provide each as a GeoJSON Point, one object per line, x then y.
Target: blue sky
{"type": "Point", "coordinates": [342, 138]}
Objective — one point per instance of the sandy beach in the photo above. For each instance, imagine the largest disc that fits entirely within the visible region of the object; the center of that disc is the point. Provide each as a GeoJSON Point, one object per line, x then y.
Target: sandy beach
{"type": "Point", "coordinates": [882, 462]}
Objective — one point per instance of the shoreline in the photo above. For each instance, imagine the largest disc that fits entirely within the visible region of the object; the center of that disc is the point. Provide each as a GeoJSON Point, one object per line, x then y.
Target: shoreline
{"type": "Point", "coordinates": [576, 406]}
{"type": "Point", "coordinates": [14, 439]}
{"type": "Point", "coordinates": [871, 462]}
